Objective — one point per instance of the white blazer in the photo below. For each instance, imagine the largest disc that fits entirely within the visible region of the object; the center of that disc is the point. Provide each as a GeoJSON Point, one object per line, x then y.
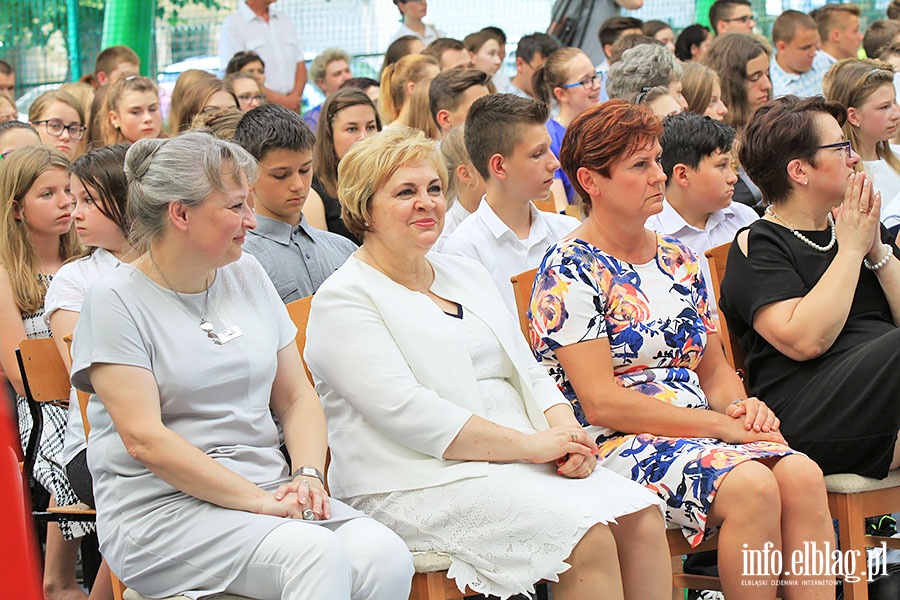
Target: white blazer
{"type": "Point", "coordinates": [396, 379]}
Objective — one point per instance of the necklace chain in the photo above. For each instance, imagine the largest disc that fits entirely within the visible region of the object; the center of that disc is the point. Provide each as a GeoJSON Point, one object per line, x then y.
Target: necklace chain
{"type": "Point", "coordinates": [205, 325]}
{"type": "Point", "coordinates": [802, 237]}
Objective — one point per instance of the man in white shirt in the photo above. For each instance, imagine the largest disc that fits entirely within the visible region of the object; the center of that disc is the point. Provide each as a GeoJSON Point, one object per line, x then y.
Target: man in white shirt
{"type": "Point", "coordinates": [271, 34]}
{"type": "Point", "coordinates": [797, 68]}
{"type": "Point", "coordinates": [696, 158]}
{"type": "Point", "coordinates": [509, 146]}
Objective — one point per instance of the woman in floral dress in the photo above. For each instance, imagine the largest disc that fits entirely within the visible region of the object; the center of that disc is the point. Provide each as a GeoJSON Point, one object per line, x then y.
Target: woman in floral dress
{"type": "Point", "coordinates": [620, 318]}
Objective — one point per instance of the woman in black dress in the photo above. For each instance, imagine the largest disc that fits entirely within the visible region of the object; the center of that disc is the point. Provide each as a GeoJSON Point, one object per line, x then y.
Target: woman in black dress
{"type": "Point", "coordinates": [812, 291]}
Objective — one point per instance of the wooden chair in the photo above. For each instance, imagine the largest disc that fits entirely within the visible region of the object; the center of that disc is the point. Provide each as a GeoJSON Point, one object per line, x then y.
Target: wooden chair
{"type": "Point", "coordinates": [678, 546]}
{"type": "Point", "coordinates": [851, 498]}
{"type": "Point", "coordinates": [45, 380]}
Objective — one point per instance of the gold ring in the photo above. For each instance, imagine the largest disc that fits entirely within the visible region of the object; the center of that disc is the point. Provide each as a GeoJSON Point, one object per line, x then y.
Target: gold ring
{"type": "Point", "coordinates": [862, 210]}
{"type": "Point", "coordinates": [574, 436]}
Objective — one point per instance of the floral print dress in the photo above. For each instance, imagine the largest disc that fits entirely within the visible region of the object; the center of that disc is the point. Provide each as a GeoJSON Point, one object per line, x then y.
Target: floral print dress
{"type": "Point", "coordinates": [656, 317]}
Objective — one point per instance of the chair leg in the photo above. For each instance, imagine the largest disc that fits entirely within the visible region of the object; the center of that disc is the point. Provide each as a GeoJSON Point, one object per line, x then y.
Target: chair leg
{"type": "Point", "coordinates": [677, 567]}
{"type": "Point", "coordinates": [852, 529]}
{"type": "Point", "coordinates": [433, 586]}
{"type": "Point", "coordinates": [117, 586]}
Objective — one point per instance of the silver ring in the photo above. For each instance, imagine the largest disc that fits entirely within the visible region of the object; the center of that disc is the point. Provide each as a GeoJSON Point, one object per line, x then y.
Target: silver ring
{"type": "Point", "coordinates": [309, 515]}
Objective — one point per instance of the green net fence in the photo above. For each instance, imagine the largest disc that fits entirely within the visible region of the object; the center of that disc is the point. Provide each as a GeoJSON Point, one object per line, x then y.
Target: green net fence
{"type": "Point", "coordinates": [54, 41]}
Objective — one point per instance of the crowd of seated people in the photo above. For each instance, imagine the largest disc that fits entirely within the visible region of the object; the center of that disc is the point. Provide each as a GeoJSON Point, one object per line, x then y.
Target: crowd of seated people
{"type": "Point", "coordinates": [167, 239]}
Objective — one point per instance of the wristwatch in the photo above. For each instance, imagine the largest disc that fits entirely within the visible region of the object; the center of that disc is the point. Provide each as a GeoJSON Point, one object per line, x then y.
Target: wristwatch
{"type": "Point", "coordinates": [309, 472]}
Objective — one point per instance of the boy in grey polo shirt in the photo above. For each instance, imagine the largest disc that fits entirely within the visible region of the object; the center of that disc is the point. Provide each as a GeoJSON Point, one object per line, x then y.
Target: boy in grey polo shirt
{"type": "Point", "coordinates": [296, 256]}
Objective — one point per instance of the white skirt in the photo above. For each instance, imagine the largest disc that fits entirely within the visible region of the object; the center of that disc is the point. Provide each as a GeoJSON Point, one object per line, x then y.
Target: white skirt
{"type": "Point", "coordinates": [511, 529]}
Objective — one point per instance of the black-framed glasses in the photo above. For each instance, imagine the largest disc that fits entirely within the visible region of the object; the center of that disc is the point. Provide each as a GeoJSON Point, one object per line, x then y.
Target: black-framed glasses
{"type": "Point", "coordinates": [742, 19]}
{"type": "Point", "coordinates": [845, 146]}
{"type": "Point", "coordinates": [590, 81]}
{"type": "Point", "coordinates": [55, 127]}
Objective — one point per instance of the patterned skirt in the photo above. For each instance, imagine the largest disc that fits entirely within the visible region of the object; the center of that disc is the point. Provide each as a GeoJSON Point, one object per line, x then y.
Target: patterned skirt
{"type": "Point", "coordinates": [684, 472]}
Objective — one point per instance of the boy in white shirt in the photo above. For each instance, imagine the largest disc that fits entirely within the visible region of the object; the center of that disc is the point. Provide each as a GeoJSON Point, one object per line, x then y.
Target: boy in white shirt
{"type": "Point", "coordinates": [509, 146]}
{"type": "Point", "coordinates": [696, 158]}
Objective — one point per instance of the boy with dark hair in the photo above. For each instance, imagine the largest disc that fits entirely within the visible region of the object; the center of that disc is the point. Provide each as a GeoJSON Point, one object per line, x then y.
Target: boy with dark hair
{"type": "Point", "coordinates": [116, 62]}
{"type": "Point", "coordinates": [731, 16]}
{"type": "Point", "coordinates": [296, 256]}
{"type": "Point", "coordinates": [612, 30]}
{"type": "Point", "coordinates": [509, 145]}
{"type": "Point", "coordinates": [449, 52]}
{"type": "Point", "coordinates": [531, 54]}
{"type": "Point", "coordinates": [452, 93]}
{"type": "Point", "coordinates": [696, 158]}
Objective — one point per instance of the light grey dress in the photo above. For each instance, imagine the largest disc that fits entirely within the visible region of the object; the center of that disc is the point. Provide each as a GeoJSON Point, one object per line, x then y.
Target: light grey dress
{"type": "Point", "coordinates": [156, 538]}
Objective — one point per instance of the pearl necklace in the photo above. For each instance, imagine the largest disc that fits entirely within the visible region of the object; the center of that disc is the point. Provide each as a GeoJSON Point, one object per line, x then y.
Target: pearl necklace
{"type": "Point", "coordinates": [803, 238]}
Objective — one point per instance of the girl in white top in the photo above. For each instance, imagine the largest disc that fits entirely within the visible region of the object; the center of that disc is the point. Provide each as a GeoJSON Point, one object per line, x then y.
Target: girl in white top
{"type": "Point", "coordinates": [411, 14]}
{"type": "Point", "coordinates": [866, 88]}
{"type": "Point", "coordinates": [97, 184]}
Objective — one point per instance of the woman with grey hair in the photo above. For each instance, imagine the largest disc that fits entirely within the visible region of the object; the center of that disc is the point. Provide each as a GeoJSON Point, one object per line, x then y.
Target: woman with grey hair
{"type": "Point", "coordinates": [642, 68]}
{"type": "Point", "coordinates": [188, 352]}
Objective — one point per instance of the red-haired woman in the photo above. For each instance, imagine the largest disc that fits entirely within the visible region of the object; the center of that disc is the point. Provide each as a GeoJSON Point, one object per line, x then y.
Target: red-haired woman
{"type": "Point", "coordinates": [620, 317]}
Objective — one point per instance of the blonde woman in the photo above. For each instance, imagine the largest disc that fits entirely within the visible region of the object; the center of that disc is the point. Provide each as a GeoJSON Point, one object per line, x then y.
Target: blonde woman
{"type": "Point", "coordinates": [398, 82]}
{"type": "Point", "coordinates": [866, 89]}
{"type": "Point", "coordinates": [465, 186]}
{"type": "Point", "coordinates": [36, 238]}
{"type": "Point", "coordinates": [196, 92]}
{"type": "Point", "coordinates": [130, 112]}
{"type": "Point", "coordinates": [702, 91]}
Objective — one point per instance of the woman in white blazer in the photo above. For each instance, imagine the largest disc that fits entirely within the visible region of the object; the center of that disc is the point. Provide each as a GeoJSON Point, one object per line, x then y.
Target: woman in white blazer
{"type": "Point", "coordinates": [441, 423]}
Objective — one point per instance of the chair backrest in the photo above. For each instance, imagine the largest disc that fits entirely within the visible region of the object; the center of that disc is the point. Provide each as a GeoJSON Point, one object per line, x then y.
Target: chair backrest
{"type": "Point", "coordinates": [717, 258]}
{"type": "Point", "coordinates": [522, 284]}
{"type": "Point", "coordinates": [299, 312]}
{"type": "Point", "coordinates": [45, 379]}
{"type": "Point", "coordinates": [44, 374]}
{"type": "Point", "coordinates": [548, 205]}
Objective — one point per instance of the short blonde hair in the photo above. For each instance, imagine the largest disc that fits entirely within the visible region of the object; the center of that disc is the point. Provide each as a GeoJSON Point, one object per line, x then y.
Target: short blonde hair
{"type": "Point", "coordinates": [371, 162]}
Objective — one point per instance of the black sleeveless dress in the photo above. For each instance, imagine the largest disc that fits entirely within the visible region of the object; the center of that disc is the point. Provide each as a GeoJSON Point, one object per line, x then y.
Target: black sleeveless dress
{"type": "Point", "coordinates": [843, 408]}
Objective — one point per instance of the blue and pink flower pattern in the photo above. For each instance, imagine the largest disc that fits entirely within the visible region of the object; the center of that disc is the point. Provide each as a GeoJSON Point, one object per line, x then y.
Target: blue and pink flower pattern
{"type": "Point", "coordinates": [656, 319]}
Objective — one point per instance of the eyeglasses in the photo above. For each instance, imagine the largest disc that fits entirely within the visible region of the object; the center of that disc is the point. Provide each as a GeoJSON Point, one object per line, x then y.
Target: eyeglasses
{"type": "Point", "coordinates": [845, 146]}
{"type": "Point", "coordinates": [642, 94]}
{"type": "Point", "coordinates": [744, 19]}
{"type": "Point", "coordinates": [55, 127]}
{"type": "Point", "coordinates": [588, 82]}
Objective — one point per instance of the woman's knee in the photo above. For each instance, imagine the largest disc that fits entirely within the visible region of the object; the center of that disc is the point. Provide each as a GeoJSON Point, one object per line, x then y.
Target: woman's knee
{"type": "Point", "coordinates": [646, 525]}
{"type": "Point", "coordinates": [799, 480]}
{"type": "Point", "coordinates": [749, 490]}
{"type": "Point", "coordinates": [381, 563]}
